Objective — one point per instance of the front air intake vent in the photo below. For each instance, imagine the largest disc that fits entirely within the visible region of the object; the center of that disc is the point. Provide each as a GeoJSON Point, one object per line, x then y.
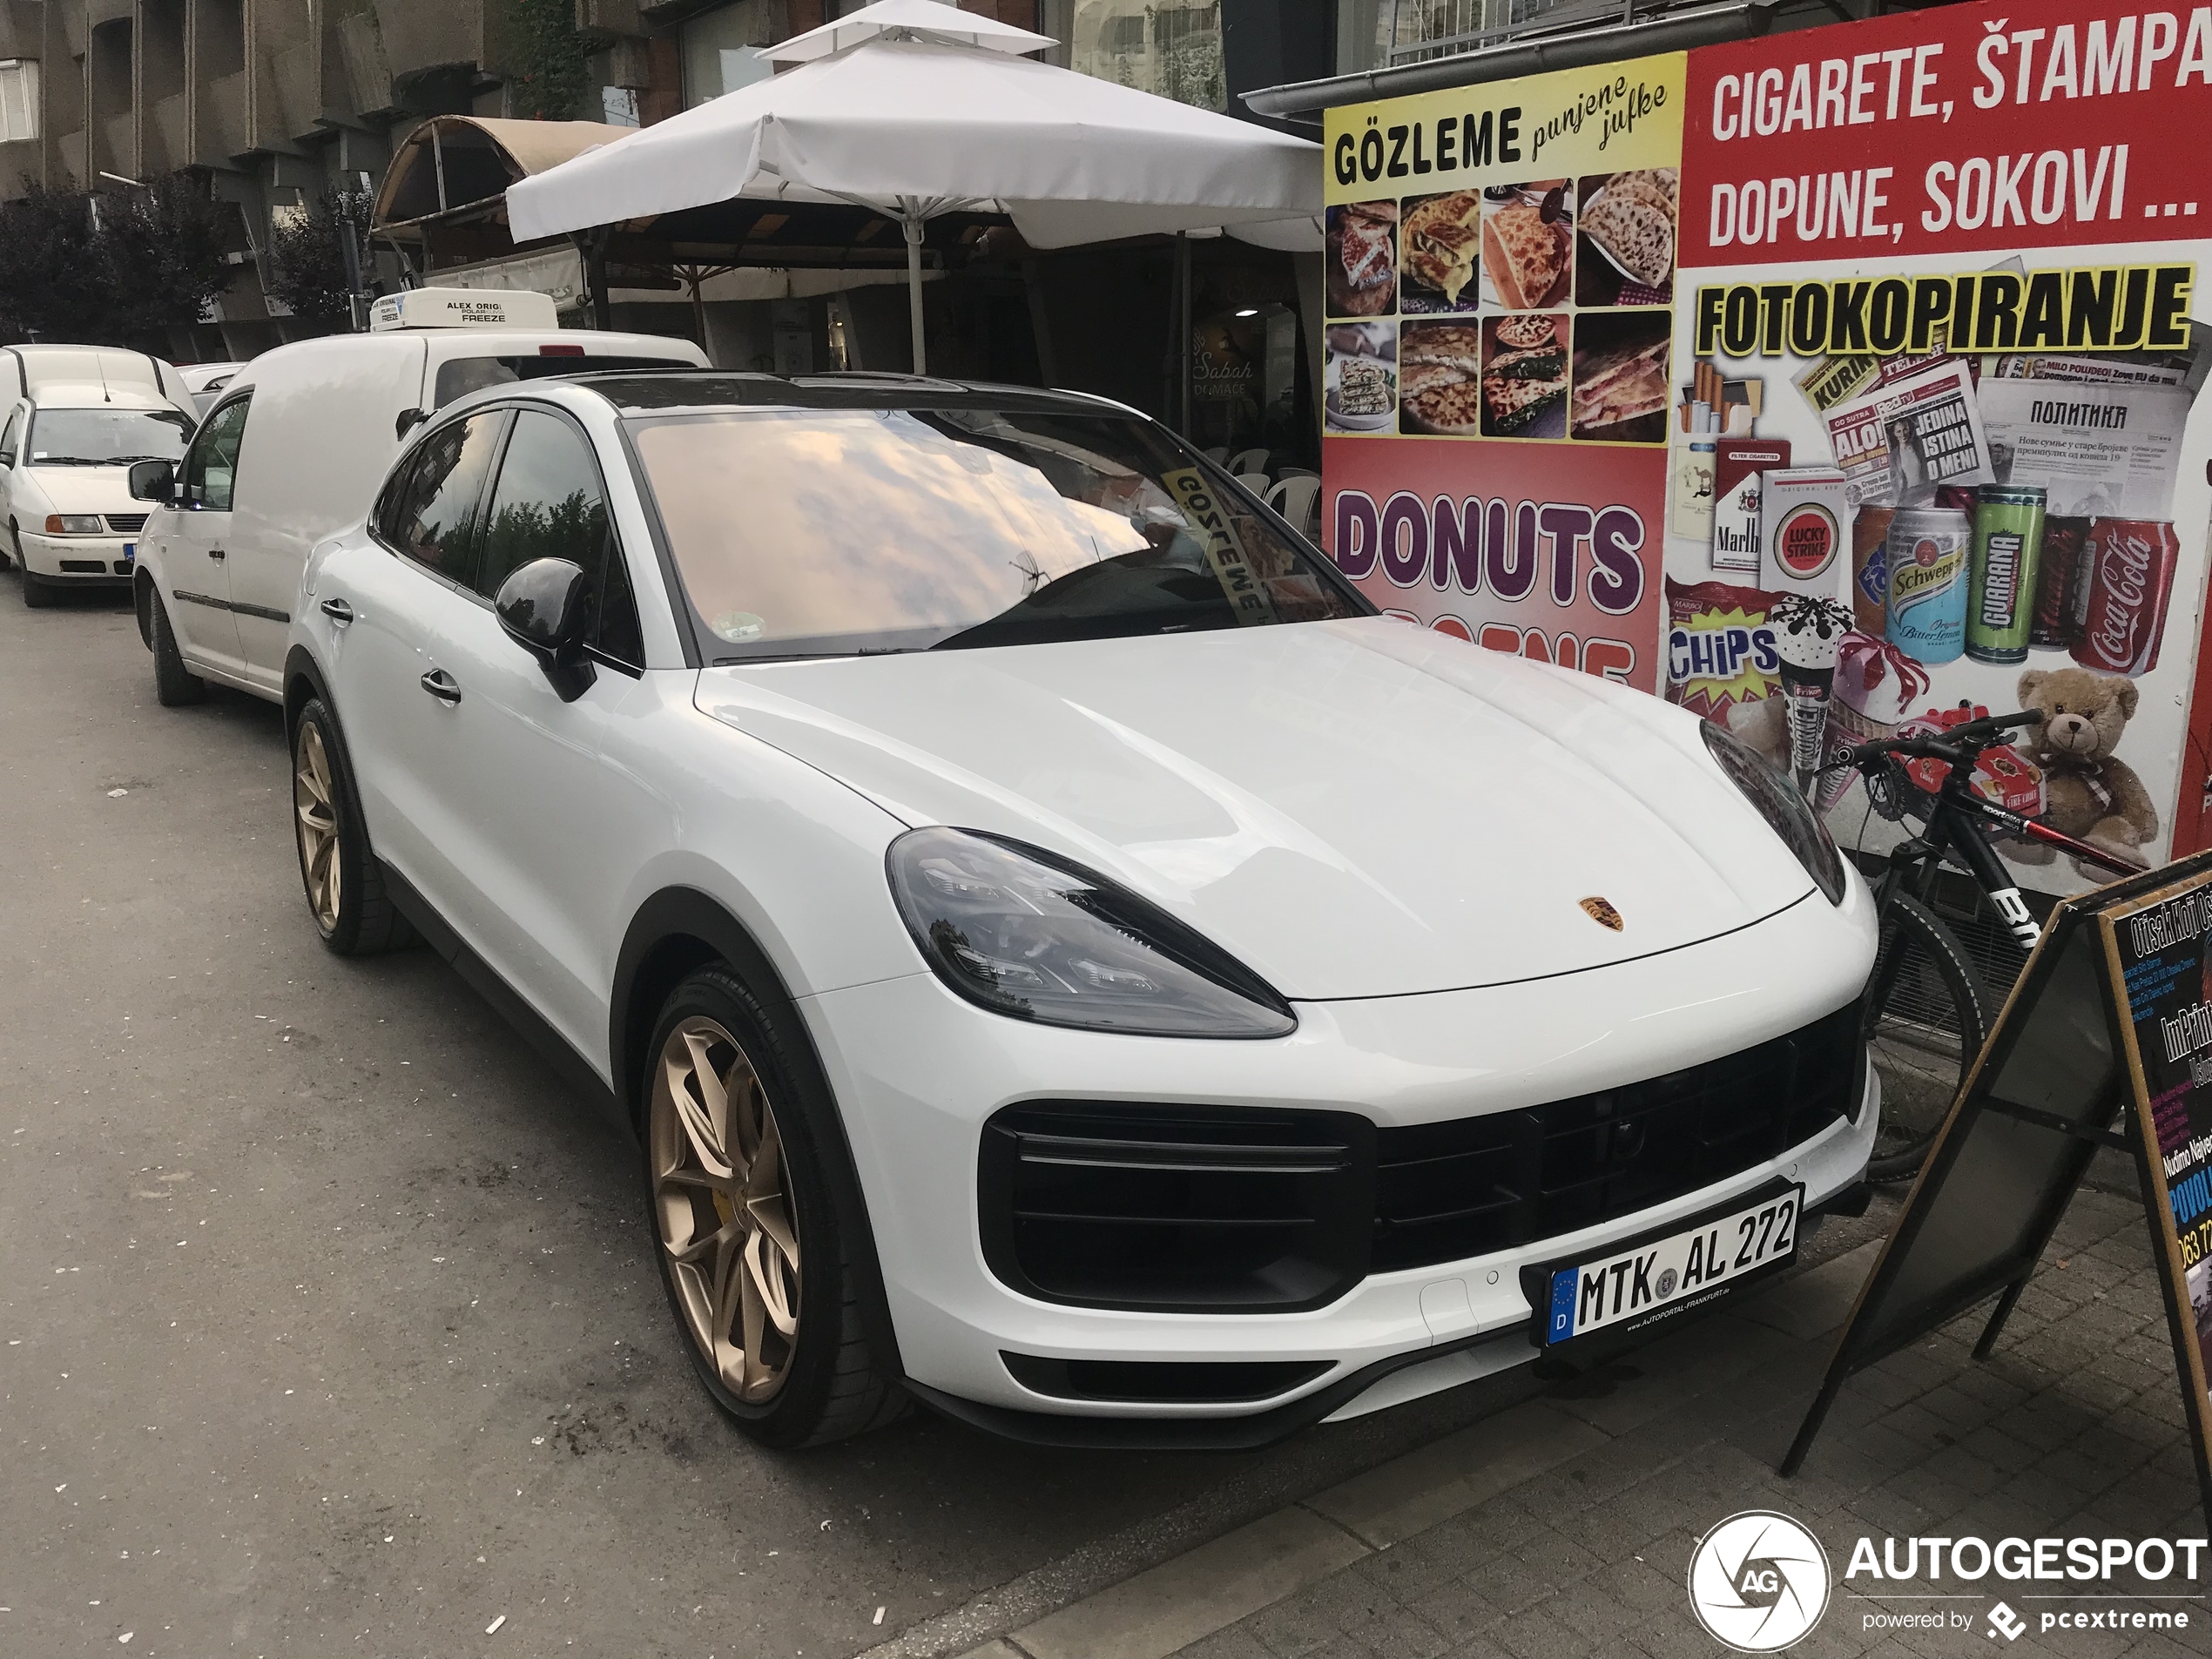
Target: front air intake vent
{"type": "Point", "coordinates": [1224, 1210]}
{"type": "Point", "coordinates": [1180, 1209]}
{"type": "Point", "coordinates": [1162, 1381]}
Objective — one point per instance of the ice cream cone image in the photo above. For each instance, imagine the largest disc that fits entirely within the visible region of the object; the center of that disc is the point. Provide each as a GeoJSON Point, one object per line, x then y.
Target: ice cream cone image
{"type": "Point", "coordinates": [1809, 631]}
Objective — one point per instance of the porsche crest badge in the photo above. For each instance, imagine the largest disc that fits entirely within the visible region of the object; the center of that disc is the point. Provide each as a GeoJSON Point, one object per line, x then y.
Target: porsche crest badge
{"type": "Point", "coordinates": [1602, 912]}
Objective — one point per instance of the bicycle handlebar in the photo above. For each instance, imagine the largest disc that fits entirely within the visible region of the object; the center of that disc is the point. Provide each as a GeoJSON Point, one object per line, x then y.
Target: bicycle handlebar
{"type": "Point", "coordinates": [1957, 746]}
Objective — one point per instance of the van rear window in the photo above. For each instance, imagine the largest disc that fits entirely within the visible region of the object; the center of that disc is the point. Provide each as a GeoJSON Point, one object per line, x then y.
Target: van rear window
{"type": "Point", "coordinates": [465, 375]}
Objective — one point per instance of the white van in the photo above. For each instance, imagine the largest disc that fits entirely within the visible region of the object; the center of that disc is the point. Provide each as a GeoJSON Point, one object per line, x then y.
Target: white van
{"type": "Point", "coordinates": [73, 419]}
{"type": "Point", "coordinates": [294, 450]}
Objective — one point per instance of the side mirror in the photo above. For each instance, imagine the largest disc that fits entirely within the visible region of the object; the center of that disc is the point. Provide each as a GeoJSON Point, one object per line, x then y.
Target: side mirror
{"type": "Point", "coordinates": [154, 480]}
{"type": "Point", "coordinates": [407, 420]}
{"type": "Point", "coordinates": [544, 607]}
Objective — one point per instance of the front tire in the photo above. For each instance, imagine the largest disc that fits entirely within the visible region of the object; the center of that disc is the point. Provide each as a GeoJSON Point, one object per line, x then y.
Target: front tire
{"type": "Point", "coordinates": [1926, 1017]}
{"type": "Point", "coordinates": [37, 595]}
{"type": "Point", "coordinates": [174, 684]}
{"type": "Point", "coordinates": [750, 1253]}
{"type": "Point", "coordinates": [344, 884]}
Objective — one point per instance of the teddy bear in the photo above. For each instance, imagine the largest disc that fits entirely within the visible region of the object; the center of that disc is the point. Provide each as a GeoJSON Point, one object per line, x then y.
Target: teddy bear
{"type": "Point", "coordinates": [2091, 794]}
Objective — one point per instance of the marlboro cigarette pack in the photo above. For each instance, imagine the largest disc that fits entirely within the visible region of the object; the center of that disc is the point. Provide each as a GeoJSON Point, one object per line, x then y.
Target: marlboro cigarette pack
{"type": "Point", "coordinates": [1737, 463]}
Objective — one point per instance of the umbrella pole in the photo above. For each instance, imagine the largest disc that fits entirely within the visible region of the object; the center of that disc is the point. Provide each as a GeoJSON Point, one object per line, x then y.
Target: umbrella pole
{"type": "Point", "coordinates": [1182, 328]}
{"type": "Point", "coordinates": [911, 222]}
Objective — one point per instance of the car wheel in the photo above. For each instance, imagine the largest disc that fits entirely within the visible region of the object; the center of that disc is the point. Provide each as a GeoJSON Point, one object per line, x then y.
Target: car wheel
{"type": "Point", "coordinates": [37, 596]}
{"type": "Point", "coordinates": [751, 1252]}
{"type": "Point", "coordinates": [345, 887]}
{"type": "Point", "coordinates": [174, 684]}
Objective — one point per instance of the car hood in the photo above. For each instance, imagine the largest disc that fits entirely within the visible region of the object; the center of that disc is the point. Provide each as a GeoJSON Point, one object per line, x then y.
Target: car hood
{"type": "Point", "coordinates": [1354, 809]}
{"type": "Point", "coordinates": [86, 489]}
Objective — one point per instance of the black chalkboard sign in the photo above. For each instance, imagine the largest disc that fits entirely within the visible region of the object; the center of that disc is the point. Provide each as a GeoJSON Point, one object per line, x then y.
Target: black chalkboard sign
{"type": "Point", "coordinates": [2111, 1023]}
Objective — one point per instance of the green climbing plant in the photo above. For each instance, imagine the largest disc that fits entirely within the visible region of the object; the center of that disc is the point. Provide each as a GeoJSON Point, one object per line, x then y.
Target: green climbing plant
{"type": "Point", "coordinates": [546, 75]}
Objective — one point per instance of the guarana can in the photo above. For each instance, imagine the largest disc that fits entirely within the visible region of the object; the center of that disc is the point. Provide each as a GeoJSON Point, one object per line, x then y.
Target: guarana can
{"type": "Point", "coordinates": [2008, 542]}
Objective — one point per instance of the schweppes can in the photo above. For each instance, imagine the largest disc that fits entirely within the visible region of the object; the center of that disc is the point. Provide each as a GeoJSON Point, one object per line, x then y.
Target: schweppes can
{"type": "Point", "coordinates": [2008, 544]}
{"type": "Point", "coordinates": [1927, 552]}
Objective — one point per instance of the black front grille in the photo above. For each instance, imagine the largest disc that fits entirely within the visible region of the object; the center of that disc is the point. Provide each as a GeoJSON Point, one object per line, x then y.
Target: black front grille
{"type": "Point", "coordinates": [1445, 1191]}
{"type": "Point", "coordinates": [1224, 1210]}
{"type": "Point", "coordinates": [126, 523]}
{"type": "Point", "coordinates": [84, 567]}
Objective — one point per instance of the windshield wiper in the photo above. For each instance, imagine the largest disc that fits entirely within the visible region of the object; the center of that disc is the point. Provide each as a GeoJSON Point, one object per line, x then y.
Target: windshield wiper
{"type": "Point", "coordinates": [68, 460]}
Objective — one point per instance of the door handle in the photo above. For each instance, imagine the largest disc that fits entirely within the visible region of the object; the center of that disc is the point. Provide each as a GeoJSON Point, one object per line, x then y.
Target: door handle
{"type": "Point", "coordinates": [215, 552]}
{"type": "Point", "coordinates": [338, 610]}
{"type": "Point", "coordinates": [440, 686]}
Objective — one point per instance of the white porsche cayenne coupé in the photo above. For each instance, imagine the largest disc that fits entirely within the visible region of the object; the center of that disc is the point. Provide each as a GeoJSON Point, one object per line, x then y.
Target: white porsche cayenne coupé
{"type": "Point", "coordinates": [1065, 958]}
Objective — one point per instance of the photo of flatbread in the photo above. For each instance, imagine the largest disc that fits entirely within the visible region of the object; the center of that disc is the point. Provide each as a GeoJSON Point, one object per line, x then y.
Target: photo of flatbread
{"type": "Point", "coordinates": [1528, 245]}
{"type": "Point", "coordinates": [1439, 248]}
{"type": "Point", "coordinates": [1361, 259]}
{"type": "Point", "coordinates": [1621, 391]}
{"type": "Point", "coordinates": [1521, 333]}
{"type": "Point", "coordinates": [1625, 238]}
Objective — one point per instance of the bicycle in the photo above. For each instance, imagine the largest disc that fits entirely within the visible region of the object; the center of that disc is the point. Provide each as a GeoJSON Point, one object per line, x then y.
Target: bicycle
{"type": "Point", "coordinates": [1926, 1012]}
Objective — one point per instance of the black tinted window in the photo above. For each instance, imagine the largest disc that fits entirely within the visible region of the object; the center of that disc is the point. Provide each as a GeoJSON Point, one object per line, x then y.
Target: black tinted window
{"type": "Point", "coordinates": [436, 522]}
{"type": "Point", "coordinates": [547, 504]}
{"type": "Point", "coordinates": [210, 468]}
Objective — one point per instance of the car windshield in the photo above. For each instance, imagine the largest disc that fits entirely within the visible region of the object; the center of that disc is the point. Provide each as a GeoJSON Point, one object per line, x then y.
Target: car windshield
{"type": "Point", "coordinates": [106, 438]}
{"type": "Point", "coordinates": [813, 532]}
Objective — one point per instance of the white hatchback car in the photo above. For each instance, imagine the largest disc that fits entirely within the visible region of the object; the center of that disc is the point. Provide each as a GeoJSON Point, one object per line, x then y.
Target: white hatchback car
{"type": "Point", "coordinates": [1065, 957]}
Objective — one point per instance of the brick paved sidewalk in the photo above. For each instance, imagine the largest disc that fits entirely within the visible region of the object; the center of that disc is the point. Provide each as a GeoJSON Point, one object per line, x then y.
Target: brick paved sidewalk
{"type": "Point", "coordinates": [2073, 1427]}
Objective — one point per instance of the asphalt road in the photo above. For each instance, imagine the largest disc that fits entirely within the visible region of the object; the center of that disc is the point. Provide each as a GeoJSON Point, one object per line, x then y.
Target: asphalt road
{"type": "Point", "coordinates": [327, 1320]}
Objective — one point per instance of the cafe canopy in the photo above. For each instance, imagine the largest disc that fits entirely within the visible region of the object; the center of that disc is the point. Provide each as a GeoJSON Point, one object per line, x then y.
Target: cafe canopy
{"type": "Point", "coordinates": [914, 110]}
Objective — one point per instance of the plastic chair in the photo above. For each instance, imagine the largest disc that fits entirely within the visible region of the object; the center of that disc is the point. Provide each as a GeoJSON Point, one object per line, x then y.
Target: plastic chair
{"type": "Point", "coordinates": [1296, 472]}
{"type": "Point", "coordinates": [1249, 461]}
{"type": "Point", "coordinates": [1295, 498]}
{"type": "Point", "coordinates": [1218, 454]}
{"type": "Point", "coordinates": [1255, 482]}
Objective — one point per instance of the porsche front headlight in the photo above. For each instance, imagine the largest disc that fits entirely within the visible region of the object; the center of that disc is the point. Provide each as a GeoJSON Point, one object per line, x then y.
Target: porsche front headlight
{"type": "Point", "coordinates": [1025, 934]}
{"type": "Point", "coordinates": [1777, 800]}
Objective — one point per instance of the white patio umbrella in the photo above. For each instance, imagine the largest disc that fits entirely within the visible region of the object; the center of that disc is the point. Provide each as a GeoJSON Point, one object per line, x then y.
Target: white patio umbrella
{"type": "Point", "coordinates": [912, 109]}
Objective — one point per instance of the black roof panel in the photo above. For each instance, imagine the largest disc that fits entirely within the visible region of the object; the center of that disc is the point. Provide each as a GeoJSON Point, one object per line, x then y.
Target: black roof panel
{"type": "Point", "coordinates": [660, 391]}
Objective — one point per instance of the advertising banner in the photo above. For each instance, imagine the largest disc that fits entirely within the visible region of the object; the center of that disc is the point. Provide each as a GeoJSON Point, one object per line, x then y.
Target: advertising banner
{"type": "Point", "coordinates": [1499, 279]}
{"type": "Point", "coordinates": [1943, 267]}
{"type": "Point", "coordinates": [1897, 318]}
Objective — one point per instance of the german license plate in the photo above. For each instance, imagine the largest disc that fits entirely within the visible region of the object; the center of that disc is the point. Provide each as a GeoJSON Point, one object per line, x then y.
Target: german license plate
{"type": "Point", "coordinates": [1663, 1276]}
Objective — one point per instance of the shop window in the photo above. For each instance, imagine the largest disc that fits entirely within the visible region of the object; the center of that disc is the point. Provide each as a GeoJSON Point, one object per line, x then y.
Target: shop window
{"type": "Point", "coordinates": [1174, 51]}
{"type": "Point", "coordinates": [19, 101]}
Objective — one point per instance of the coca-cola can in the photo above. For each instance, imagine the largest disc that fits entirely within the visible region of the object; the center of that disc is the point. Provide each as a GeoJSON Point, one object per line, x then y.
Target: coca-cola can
{"type": "Point", "coordinates": [2059, 584]}
{"type": "Point", "coordinates": [2130, 567]}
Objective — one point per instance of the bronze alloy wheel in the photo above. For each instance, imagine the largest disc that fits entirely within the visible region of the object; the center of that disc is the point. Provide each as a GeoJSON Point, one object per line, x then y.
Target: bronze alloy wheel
{"type": "Point", "coordinates": [722, 1202]}
{"type": "Point", "coordinates": [314, 804]}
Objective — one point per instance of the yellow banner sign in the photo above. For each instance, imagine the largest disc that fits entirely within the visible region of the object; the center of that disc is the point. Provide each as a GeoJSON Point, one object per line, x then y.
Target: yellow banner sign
{"type": "Point", "coordinates": [1606, 118]}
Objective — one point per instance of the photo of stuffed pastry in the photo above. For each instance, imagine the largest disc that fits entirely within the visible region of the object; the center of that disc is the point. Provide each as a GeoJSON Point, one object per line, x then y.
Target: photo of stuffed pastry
{"type": "Point", "coordinates": [1621, 392]}
{"type": "Point", "coordinates": [1440, 242]}
{"type": "Point", "coordinates": [1439, 378]}
{"type": "Point", "coordinates": [1527, 244]}
{"type": "Point", "coordinates": [1361, 393]}
{"type": "Point", "coordinates": [1524, 377]}
{"type": "Point", "coordinates": [1627, 232]}
{"type": "Point", "coordinates": [1361, 259]}
{"type": "Point", "coordinates": [1503, 378]}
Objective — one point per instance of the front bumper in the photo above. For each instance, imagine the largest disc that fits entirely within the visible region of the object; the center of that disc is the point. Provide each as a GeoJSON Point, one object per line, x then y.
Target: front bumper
{"type": "Point", "coordinates": [94, 561]}
{"type": "Point", "coordinates": [917, 1073]}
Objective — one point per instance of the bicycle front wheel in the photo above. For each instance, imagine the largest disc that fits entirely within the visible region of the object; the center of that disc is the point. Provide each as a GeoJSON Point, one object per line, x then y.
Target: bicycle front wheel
{"type": "Point", "coordinates": [1925, 1017]}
